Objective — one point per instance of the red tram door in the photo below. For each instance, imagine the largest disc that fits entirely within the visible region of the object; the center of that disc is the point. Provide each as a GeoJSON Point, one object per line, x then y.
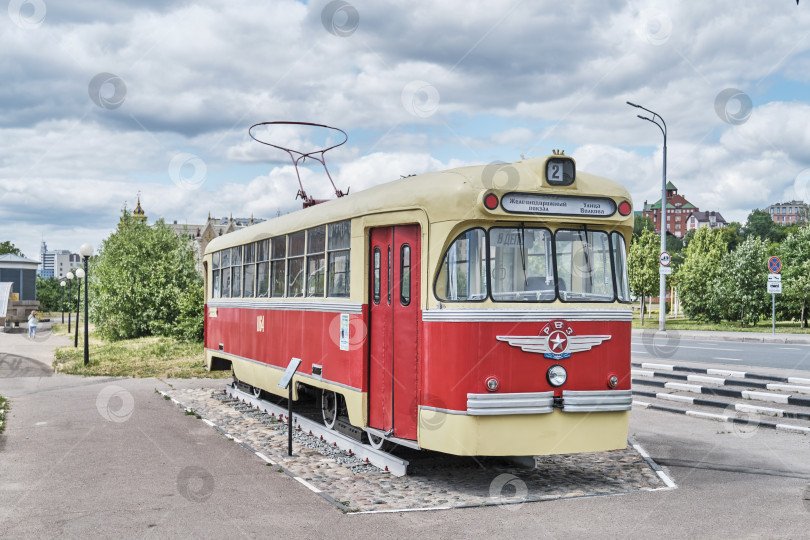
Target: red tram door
{"type": "Point", "coordinates": [394, 320]}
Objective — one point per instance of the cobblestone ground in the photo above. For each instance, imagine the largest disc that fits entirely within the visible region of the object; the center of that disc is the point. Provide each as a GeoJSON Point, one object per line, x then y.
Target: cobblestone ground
{"type": "Point", "coordinates": [433, 480]}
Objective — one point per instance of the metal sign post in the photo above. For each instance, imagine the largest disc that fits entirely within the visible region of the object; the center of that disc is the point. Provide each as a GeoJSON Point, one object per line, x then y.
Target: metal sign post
{"type": "Point", "coordinates": [774, 287]}
{"type": "Point", "coordinates": [286, 382]}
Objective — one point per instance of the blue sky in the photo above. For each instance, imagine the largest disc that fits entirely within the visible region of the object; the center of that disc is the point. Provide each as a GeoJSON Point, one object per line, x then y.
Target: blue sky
{"type": "Point", "coordinates": [104, 99]}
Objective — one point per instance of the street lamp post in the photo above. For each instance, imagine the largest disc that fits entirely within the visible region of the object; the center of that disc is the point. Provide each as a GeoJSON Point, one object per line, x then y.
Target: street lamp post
{"type": "Point", "coordinates": [662, 286]}
{"type": "Point", "coordinates": [70, 276]}
{"type": "Point", "coordinates": [86, 251]}
{"type": "Point", "coordinates": [62, 299]}
{"type": "Point", "coordinates": [80, 275]}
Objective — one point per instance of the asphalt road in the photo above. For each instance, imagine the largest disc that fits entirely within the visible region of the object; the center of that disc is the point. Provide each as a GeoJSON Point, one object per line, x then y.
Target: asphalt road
{"type": "Point", "coordinates": [106, 458]}
{"type": "Point", "coordinates": [651, 348]}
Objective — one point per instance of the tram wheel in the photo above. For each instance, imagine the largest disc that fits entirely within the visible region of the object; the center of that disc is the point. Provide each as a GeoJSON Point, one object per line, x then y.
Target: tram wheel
{"type": "Point", "coordinates": [329, 408]}
{"type": "Point", "coordinates": [375, 441]}
{"type": "Point", "coordinates": [257, 392]}
{"type": "Point", "coordinates": [235, 380]}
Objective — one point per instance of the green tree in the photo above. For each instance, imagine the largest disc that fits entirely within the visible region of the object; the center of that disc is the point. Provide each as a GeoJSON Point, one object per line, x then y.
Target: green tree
{"type": "Point", "coordinates": [760, 225]}
{"type": "Point", "coordinates": [52, 296]}
{"type": "Point", "coordinates": [742, 282]}
{"type": "Point", "coordinates": [697, 273]}
{"type": "Point", "coordinates": [642, 265]}
{"type": "Point", "coordinates": [731, 235]}
{"type": "Point", "coordinates": [796, 271]}
{"type": "Point", "coordinates": [642, 223]}
{"type": "Point", "coordinates": [8, 247]}
{"type": "Point", "coordinates": [144, 282]}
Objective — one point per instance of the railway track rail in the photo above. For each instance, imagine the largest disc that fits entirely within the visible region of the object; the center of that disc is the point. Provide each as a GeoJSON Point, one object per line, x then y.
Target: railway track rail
{"type": "Point", "coordinates": [379, 458]}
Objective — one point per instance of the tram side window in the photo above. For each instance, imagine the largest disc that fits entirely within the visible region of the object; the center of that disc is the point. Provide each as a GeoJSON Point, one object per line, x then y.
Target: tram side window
{"type": "Point", "coordinates": [463, 276]}
{"type": "Point", "coordinates": [620, 267]}
{"type": "Point", "coordinates": [262, 268]}
{"type": "Point", "coordinates": [295, 265]}
{"type": "Point", "coordinates": [338, 248]}
{"type": "Point", "coordinates": [226, 273]}
{"type": "Point", "coordinates": [215, 287]}
{"type": "Point", "coordinates": [249, 271]}
{"type": "Point", "coordinates": [278, 266]}
{"type": "Point", "coordinates": [584, 267]}
{"type": "Point", "coordinates": [377, 275]}
{"type": "Point", "coordinates": [405, 275]}
{"type": "Point", "coordinates": [316, 270]}
{"type": "Point", "coordinates": [236, 272]}
{"type": "Point", "coordinates": [521, 264]}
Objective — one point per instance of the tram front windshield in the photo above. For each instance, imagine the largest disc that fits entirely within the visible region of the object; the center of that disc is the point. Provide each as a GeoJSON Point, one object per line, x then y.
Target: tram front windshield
{"type": "Point", "coordinates": [530, 264]}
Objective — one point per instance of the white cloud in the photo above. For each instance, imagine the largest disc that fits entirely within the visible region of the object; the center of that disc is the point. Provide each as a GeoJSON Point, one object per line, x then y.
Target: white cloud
{"type": "Point", "coordinates": [507, 78]}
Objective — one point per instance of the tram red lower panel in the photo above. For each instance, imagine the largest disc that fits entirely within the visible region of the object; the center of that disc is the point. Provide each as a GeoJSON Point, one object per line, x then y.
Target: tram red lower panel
{"type": "Point", "coordinates": [274, 336]}
{"type": "Point", "coordinates": [459, 357]}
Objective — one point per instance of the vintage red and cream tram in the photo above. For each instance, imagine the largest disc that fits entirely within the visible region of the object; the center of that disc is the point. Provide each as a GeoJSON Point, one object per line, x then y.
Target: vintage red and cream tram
{"type": "Point", "coordinates": [477, 311]}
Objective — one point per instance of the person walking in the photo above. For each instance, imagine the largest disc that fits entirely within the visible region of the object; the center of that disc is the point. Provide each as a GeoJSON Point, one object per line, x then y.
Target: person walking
{"type": "Point", "coordinates": [33, 319]}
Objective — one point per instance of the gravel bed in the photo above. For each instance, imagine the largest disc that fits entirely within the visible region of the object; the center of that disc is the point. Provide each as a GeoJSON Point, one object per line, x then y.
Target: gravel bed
{"type": "Point", "coordinates": [434, 479]}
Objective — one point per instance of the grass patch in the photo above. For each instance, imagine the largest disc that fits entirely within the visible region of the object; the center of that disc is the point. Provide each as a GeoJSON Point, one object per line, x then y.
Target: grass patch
{"type": "Point", "coordinates": [681, 323]}
{"type": "Point", "coordinates": [3, 411]}
{"type": "Point", "coordinates": [143, 357]}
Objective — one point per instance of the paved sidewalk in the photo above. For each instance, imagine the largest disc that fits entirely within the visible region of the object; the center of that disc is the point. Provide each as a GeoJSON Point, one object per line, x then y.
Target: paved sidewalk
{"type": "Point", "coordinates": [709, 335]}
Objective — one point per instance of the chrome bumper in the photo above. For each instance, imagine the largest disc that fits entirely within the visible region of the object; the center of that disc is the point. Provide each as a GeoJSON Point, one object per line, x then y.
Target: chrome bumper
{"type": "Point", "coordinates": [523, 403]}
{"type": "Point", "coordinates": [544, 402]}
{"type": "Point", "coordinates": [596, 401]}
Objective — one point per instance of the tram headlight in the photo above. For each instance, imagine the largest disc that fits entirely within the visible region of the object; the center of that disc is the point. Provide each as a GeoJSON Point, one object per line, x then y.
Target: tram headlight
{"type": "Point", "coordinates": [556, 375]}
{"type": "Point", "coordinates": [613, 381]}
{"type": "Point", "coordinates": [492, 384]}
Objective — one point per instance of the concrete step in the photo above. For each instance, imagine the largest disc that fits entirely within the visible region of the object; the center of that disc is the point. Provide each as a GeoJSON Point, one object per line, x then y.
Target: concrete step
{"type": "Point", "coordinates": [751, 416]}
{"type": "Point", "coordinates": [767, 400]}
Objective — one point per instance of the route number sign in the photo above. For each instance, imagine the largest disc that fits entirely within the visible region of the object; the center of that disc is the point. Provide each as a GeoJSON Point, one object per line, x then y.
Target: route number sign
{"type": "Point", "coordinates": [774, 265]}
{"type": "Point", "coordinates": [664, 258]}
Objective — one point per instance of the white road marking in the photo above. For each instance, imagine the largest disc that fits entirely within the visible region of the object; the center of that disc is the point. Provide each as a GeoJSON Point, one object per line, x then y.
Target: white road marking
{"type": "Point", "coordinates": [789, 349]}
{"type": "Point", "coordinates": [765, 396]}
{"type": "Point", "coordinates": [676, 397]}
{"type": "Point", "coordinates": [704, 348]}
{"type": "Point", "coordinates": [789, 388]}
{"type": "Point", "coordinates": [310, 486]}
{"type": "Point", "coordinates": [727, 359]}
{"type": "Point", "coordinates": [685, 387]}
{"type": "Point", "coordinates": [705, 379]}
{"type": "Point", "coordinates": [726, 373]}
{"type": "Point", "coordinates": [665, 367]}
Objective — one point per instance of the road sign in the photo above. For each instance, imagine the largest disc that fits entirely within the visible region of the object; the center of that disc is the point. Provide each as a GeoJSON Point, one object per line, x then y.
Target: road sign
{"type": "Point", "coordinates": [664, 270]}
{"type": "Point", "coordinates": [775, 284]}
{"type": "Point", "coordinates": [774, 265]}
{"type": "Point", "coordinates": [664, 258]}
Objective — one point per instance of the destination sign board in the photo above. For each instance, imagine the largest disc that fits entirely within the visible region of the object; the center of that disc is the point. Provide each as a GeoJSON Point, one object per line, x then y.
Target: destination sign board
{"type": "Point", "coordinates": [558, 205]}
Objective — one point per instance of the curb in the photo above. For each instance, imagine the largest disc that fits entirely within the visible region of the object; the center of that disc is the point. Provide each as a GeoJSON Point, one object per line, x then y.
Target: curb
{"type": "Point", "coordinates": [723, 418]}
{"type": "Point", "coordinates": [743, 337]}
{"type": "Point", "coordinates": [722, 372]}
{"type": "Point", "coordinates": [739, 394]}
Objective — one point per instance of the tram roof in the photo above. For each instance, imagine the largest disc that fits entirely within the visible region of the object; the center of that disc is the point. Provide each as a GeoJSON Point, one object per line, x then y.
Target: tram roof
{"type": "Point", "coordinates": [448, 195]}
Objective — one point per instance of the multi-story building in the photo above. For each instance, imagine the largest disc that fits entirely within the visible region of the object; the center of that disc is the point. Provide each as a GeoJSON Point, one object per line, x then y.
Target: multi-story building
{"type": "Point", "coordinates": [57, 263]}
{"type": "Point", "coordinates": [213, 227]}
{"type": "Point", "coordinates": [712, 220]}
{"type": "Point", "coordinates": [678, 210]}
{"type": "Point", "coordinates": [787, 213]}
{"type": "Point", "coordinates": [200, 234]}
